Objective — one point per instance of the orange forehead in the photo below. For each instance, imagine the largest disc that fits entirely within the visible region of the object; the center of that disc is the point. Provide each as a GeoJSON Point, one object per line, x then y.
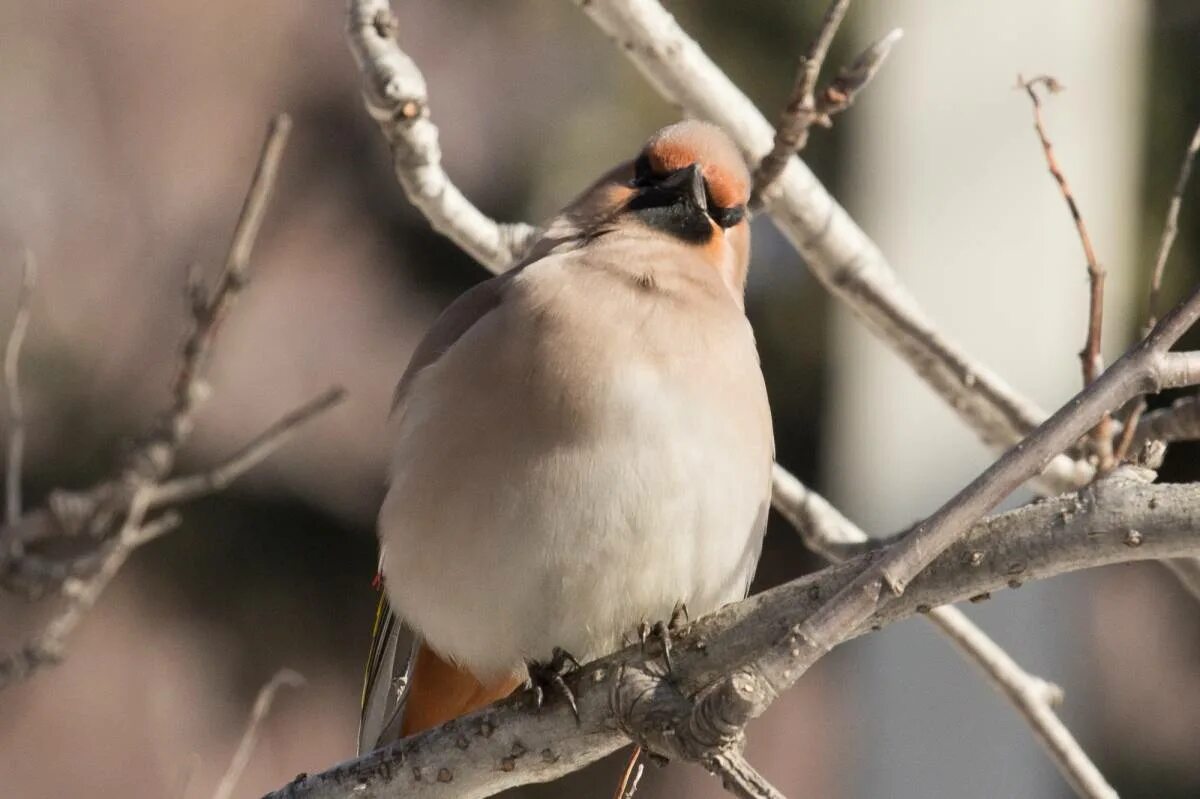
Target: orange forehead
{"type": "Point", "coordinates": [694, 142]}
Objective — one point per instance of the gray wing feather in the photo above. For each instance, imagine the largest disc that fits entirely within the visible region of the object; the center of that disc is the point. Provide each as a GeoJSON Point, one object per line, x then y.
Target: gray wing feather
{"type": "Point", "coordinates": [393, 644]}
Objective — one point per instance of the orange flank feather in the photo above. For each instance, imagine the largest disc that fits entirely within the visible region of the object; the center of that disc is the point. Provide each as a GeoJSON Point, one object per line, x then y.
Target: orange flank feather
{"type": "Point", "coordinates": [439, 691]}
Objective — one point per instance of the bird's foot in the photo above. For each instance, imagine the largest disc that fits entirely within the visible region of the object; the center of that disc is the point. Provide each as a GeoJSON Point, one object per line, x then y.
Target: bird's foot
{"type": "Point", "coordinates": [662, 632]}
{"type": "Point", "coordinates": [548, 677]}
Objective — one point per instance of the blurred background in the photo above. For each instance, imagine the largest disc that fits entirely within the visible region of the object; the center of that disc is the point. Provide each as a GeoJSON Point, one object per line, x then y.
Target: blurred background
{"type": "Point", "coordinates": [127, 134]}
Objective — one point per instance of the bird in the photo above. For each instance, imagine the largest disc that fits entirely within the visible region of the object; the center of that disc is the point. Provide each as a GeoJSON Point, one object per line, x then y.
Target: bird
{"type": "Point", "coordinates": [579, 446]}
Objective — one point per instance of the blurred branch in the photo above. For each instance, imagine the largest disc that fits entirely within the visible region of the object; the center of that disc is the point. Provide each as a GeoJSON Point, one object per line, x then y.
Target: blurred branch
{"type": "Point", "coordinates": [739, 777]}
{"type": "Point", "coordinates": [1170, 228]}
{"type": "Point", "coordinates": [806, 107]}
{"type": "Point", "coordinates": [396, 97]}
{"type": "Point", "coordinates": [1034, 698]}
{"type": "Point", "coordinates": [262, 706]}
{"type": "Point", "coordinates": [830, 534]}
{"type": "Point", "coordinates": [113, 513]}
{"type": "Point", "coordinates": [184, 489]}
{"type": "Point", "coordinates": [47, 646]}
{"type": "Point", "coordinates": [1090, 357]}
{"type": "Point", "coordinates": [833, 246]}
{"type": "Point", "coordinates": [628, 692]}
{"type": "Point", "coordinates": [12, 390]}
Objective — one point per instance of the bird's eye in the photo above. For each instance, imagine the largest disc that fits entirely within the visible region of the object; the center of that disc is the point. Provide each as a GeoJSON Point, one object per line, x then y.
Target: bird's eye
{"type": "Point", "coordinates": [727, 217]}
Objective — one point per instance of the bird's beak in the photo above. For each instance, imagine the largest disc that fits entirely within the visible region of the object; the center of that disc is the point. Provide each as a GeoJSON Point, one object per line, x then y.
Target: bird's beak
{"type": "Point", "coordinates": [687, 183]}
{"type": "Point", "coordinates": [683, 186]}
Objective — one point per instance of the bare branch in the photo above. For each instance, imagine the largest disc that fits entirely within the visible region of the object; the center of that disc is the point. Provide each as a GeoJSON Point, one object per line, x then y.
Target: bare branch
{"type": "Point", "coordinates": [632, 775]}
{"type": "Point", "coordinates": [800, 112]}
{"type": "Point", "coordinates": [459, 760]}
{"type": "Point", "coordinates": [114, 512]}
{"type": "Point", "coordinates": [806, 108]}
{"type": "Point", "coordinates": [1090, 356]}
{"type": "Point", "coordinates": [209, 312]}
{"type": "Point", "coordinates": [740, 778]}
{"type": "Point", "coordinates": [183, 489]}
{"type": "Point", "coordinates": [1146, 368]}
{"type": "Point", "coordinates": [47, 646]}
{"type": "Point", "coordinates": [1170, 228]}
{"type": "Point", "coordinates": [1033, 696]}
{"type": "Point", "coordinates": [837, 251]}
{"type": "Point", "coordinates": [1179, 422]}
{"type": "Point", "coordinates": [826, 531]}
{"type": "Point", "coordinates": [12, 389]}
{"type": "Point", "coordinates": [262, 706]}
{"type": "Point", "coordinates": [395, 94]}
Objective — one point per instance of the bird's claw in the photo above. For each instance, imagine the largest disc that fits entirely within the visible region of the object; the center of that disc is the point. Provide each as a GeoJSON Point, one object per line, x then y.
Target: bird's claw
{"type": "Point", "coordinates": [549, 676]}
{"type": "Point", "coordinates": [662, 632]}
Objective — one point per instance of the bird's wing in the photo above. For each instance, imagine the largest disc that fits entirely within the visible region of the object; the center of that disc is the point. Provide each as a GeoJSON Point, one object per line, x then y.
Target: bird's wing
{"type": "Point", "coordinates": [393, 644]}
{"type": "Point", "coordinates": [385, 684]}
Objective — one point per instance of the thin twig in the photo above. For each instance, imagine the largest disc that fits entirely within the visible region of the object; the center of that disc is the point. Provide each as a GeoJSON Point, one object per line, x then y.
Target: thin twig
{"type": "Point", "coordinates": [628, 785]}
{"type": "Point", "coordinates": [125, 499]}
{"type": "Point", "coordinates": [48, 645]}
{"type": "Point", "coordinates": [806, 108]}
{"type": "Point", "coordinates": [1090, 356]}
{"type": "Point", "coordinates": [183, 489]}
{"type": "Point", "coordinates": [800, 112]}
{"type": "Point", "coordinates": [1033, 696]}
{"type": "Point", "coordinates": [262, 706]}
{"type": "Point", "coordinates": [1170, 228]}
{"type": "Point", "coordinates": [740, 778]}
{"type": "Point", "coordinates": [830, 534]}
{"type": "Point", "coordinates": [209, 312]}
{"type": "Point", "coordinates": [12, 389]}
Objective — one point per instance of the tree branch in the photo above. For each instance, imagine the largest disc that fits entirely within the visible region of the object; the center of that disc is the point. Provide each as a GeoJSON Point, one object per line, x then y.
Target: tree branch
{"type": "Point", "coordinates": [396, 97]}
{"type": "Point", "coordinates": [512, 744]}
{"type": "Point", "coordinates": [1034, 698]}
{"type": "Point", "coordinates": [827, 532]}
{"type": "Point", "coordinates": [262, 706]}
{"type": "Point", "coordinates": [805, 107]}
{"type": "Point", "coordinates": [1170, 228]}
{"type": "Point", "coordinates": [113, 513]}
{"type": "Point", "coordinates": [184, 489]}
{"type": "Point", "coordinates": [1091, 359]}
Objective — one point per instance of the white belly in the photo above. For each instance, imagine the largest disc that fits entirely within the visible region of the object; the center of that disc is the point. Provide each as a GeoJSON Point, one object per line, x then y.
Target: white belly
{"type": "Point", "coordinates": [513, 525]}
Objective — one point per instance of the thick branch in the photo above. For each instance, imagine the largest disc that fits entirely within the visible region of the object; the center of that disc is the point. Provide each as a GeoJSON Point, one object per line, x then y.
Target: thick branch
{"type": "Point", "coordinates": [511, 744]}
{"type": "Point", "coordinates": [838, 252]}
{"type": "Point", "coordinates": [396, 97]}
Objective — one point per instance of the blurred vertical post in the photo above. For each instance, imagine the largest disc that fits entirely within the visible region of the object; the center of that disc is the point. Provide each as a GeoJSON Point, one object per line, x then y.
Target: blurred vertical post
{"type": "Point", "coordinates": [948, 176]}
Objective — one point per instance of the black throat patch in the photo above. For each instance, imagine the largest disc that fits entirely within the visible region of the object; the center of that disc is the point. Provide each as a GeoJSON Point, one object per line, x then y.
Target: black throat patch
{"type": "Point", "coordinates": [674, 215]}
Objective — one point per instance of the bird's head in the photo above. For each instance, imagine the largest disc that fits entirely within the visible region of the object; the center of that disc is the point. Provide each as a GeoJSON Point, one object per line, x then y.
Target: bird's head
{"type": "Point", "coordinates": [688, 183]}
